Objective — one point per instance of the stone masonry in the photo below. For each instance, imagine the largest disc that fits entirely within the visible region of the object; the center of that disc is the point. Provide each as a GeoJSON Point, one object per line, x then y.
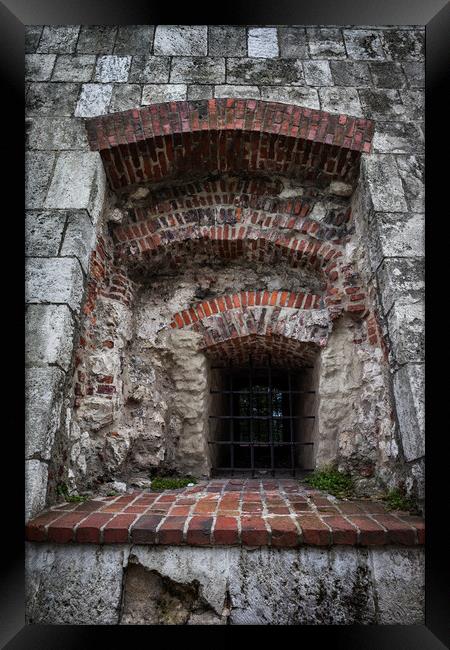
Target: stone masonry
{"type": "Point", "coordinates": [76, 73]}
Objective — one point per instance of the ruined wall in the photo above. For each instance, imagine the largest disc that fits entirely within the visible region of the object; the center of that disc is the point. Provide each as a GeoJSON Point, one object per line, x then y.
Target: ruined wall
{"type": "Point", "coordinates": [77, 72]}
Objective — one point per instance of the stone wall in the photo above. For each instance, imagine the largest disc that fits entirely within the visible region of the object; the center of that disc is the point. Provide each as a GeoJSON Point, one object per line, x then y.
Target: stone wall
{"type": "Point", "coordinates": [74, 72]}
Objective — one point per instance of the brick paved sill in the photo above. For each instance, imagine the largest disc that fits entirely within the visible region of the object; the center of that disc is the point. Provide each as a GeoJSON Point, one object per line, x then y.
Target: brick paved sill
{"type": "Point", "coordinates": [279, 513]}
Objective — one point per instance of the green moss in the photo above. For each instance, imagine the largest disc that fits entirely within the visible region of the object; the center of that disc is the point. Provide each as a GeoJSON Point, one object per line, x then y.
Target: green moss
{"type": "Point", "coordinates": [332, 481]}
{"type": "Point", "coordinates": [170, 483]}
{"type": "Point", "coordinates": [63, 491]}
{"type": "Point", "coordinates": [396, 499]}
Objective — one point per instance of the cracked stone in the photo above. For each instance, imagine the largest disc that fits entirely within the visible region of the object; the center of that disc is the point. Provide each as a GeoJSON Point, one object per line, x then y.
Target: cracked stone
{"type": "Point", "coordinates": [326, 43]}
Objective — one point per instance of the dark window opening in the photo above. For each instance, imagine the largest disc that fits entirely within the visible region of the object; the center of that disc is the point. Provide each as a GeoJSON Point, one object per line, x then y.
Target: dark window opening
{"type": "Point", "coordinates": [260, 420]}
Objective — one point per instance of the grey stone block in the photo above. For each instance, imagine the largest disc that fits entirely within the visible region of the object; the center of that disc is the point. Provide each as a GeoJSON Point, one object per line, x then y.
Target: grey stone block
{"type": "Point", "coordinates": [264, 71]}
{"type": "Point", "coordinates": [412, 173]}
{"type": "Point", "coordinates": [363, 44]}
{"type": "Point", "coordinates": [43, 233]}
{"type": "Point", "coordinates": [396, 234]}
{"type": "Point", "coordinates": [48, 98]}
{"type": "Point", "coordinates": [59, 39]}
{"type": "Point", "coordinates": [415, 73]}
{"type": "Point", "coordinates": [410, 406]}
{"type": "Point", "coordinates": [32, 37]}
{"type": "Point", "coordinates": [39, 67]}
{"type": "Point", "coordinates": [326, 43]}
{"type": "Point", "coordinates": [317, 73]}
{"type": "Point", "coordinates": [71, 67]}
{"type": "Point", "coordinates": [201, 91]}
{"type": "Point", "coordinates": [241, 92]}
{"type": "Point", "coordinates": [398, 137]}
{"type": "Point", "coordinates": [55, 280]}
{"type": "Point", "coordinates": [154, 93]}
{"type": "Point", "coordinates": [94, 100]}
{"type": "Point", "coordinates": [263, 42]}
{"type": "Point", "coordinates": [406, 323]}
{"type": "Point", "coordinates": [48, 337]}
{"type": "Point", "coordinates": [43, 403]}
{"type": "Point", "coordinates": [198, 70]}
{"type": "Point", "coordinates": [112, 68]}
{"type": "Point", "coordinates": [387, 74]}
{"type": "Point", "coordinates": [125, 97]}
{"type": "Point", "coordinates": [58, 133]}
{"type": "Point", "coordinates": [340, 100]}
{"type": "Point", "coordinates": [96, 39]}
{"type": "Point", "coordinates": [306, 97]}
{"type": "Point", "coordinates": [181, 40]}
{"type": "Point", "coordinates": [414, 103]}
{"type": "Point", "coordinates": [404, 45]}
{"type": "Point", "coordinates": [150, 69]}
{"type": "Point", "coordinates": [293, 43]}
{"type": "Point", "coordinates": [134, 39]}
{"type": "Point", "coordinates": [36, 478]}
{"type": "Point", "coordinates": [79, 237]}
{"type": "Point", "coordinates": [385, 186]}
{"type": "Point", "coordinates": [225, 40]}
{"type": "Point", "coordinates": [401, 280]}
{"type": "Point", "coordinates": [350, 73]}
{"type": "Point", "coordinates": [382, 104]}
{"type": "Point", "coordinates": [38, 172]}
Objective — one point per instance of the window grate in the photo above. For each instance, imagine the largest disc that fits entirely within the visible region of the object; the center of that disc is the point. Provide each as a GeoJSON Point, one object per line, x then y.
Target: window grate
{"type": "Point", "coordinates": [257, 426]}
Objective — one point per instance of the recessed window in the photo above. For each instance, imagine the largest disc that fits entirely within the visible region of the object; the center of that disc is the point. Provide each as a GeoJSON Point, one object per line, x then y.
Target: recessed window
{"type": "Point", "coordinates": [259, 420]}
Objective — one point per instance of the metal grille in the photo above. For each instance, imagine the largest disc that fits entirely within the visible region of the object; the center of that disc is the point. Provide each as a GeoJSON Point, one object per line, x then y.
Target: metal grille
{"type": "Point", "coordinates": [257, 423]}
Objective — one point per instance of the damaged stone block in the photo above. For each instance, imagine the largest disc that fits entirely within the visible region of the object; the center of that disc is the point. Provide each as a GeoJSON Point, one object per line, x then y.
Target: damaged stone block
{"type": "Point", "coordinates": [400, 279]}
{"type": "Point", "coordinates": [49, 335]}
{"type": "Point", "coordinates": [43, 232]}
{"type": "Point", "coordinates": [36, 477]}
{"type": "Point", "coordinates": [54, 280]}
{"type": "Point", "coordinates": [407, 331]}
{"type": "Point", "coordinates": [395, 234]}
{"type": "Point", "coordinates": [385, 186]}
{"type": "Point", "coordinates": [410, 401]}
{"type": "Point", "coordinates": [79, 237]}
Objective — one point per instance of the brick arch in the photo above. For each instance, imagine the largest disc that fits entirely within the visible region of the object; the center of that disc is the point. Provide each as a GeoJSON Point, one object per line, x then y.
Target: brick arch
{"type": "Point", "coordinates": [191, 138]}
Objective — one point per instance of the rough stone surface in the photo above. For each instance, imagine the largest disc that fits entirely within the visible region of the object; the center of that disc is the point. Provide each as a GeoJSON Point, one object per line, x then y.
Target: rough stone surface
{"type": "Point", "coordinates": [49, 98]}
{"type": "Point", "coordinates": [43, 233]}
{"type": "Point", "coordinates": [396, 234]}
{"type": "Point", "coordinates": [55, 280]}
{"type": "Point", "coordinates": [198, 70]}
{"type": "Point", "coordinates": [307, 97]}
{"type": "Point", "coordinates": [363, 44]}
{"type": "Point", "coordinates": [124, 97]}
{"type": "Point", "coordinates": [326, 43]}
{"type": "Point", "coordinates": [134, 39]}
{"type": "Point", "coordinates": [38, 67]}
{"type": "Point", "coordinates": [154, 93]}
{"type": "Point", "coordinates": [225, 40]}
{"type": "Point", "coordinates": [59, 39]}
{"type": "Point", "coordinates": [317, 73]}
{"type": "Point", "coordinates": [398, 137]}
{"type": "Point", "coordinates": [96, 39]}
{"type": "Point", "coordinates": [74, 68]}
{"type": "Point", "coordinates": [404, 45]}
{"type": "Point", "coordinates": [263, 42]}
{"type": "Point", "coordinates": [350, 73]}
{"type": "Point", "coordinates": [385, 186]}
{"type": "Point", "coordinates": [32, 36]}
{"type": "Point", "coordinates": [181, 40]}
{"type": "Point", "coordinates": [94, 100]}
{"type": "Point", "coordinates": [243, 92]}
{"type": "Point", "coordinates": [56, 133]}
{"type": "Point", "coordinates": [201, 91]}
{"type": "Point", "coordinates": [293, 42]}
{"type": "Point", "coordinates": [38, 171]}
{"type": "Point", "coordinates": [387, 74]}
{"type": "Point", "coordinates": [79, 237]}
{"type": "Point", "coordinates": [43, 394]}
{"type": "Point", "coordinates": [36, 477]}
{"type": "Point", "coordinates": [264, 71]}
{"type": "Point", "coordinates": [49, 335]}
{"type": "Point", "coordinates": [112, 68]}
{"type": "Point", "coordinates": [409, 392]}
{"type": "Point", "coordinates": [401, 279]}
{"type": "Point", "coordinates": [150, 69]}
{"type": "Point", "coordinates": [340, 100]}
{"type": "Point", "coordinates": [412, 173]}
{"type": "Point", "coordinates": [406, 331]}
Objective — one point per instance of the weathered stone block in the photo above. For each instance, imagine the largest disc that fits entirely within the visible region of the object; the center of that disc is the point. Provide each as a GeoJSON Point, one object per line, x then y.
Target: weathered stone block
{"type": "Point", "coordinates": [396, 235]}
{"type": "Point", "coordinates": [398, 137]}
{"type": "Point", "coordinates": [150, 69]}
{"type": "Point", "coordinates": [382, 104]}
{"type": "Point", "coordinates": [412, 171]}
{"type": "Point", "coordinates": [57, 133]}
{"type": "Point", "coordinates": [79, 237]}
{"type": "Point", "coordinates": [384, 183]}
{"type": "Point", "coordinates": [112, 68]}
{"type": "Point", "coordinates": [154, 93]}
{"type": "Point", "coordinates": [317, 73]}
{"type": "Point", "coordinates": [48, 335]}
{"type": "Point", "coordinates": [181, 40]}
{"type": "Point", "coordinates": [59, 39]}
{"type": "Point", "coordinates": [406, 324]}
{"type": "Point", "coordinates": [263, 42]}
{"type": "Point", "coordinates": [198, 70]}
{"type": "Point", "coordinates": [96, 39]}
{"type": "Point", "coordinates": [74, 68]}
{"type": "Point", "coordinates": [326, 43]}
{"type": "Point", "coordinates": [94, 100]}
{"type": "Point", "coordinates": [38, 67]}
{"type": "Point", "coordinates": [38, 171]}
{"type": "Point", "coordinates": [264, 71]}
{"type": "Point", "coordinates": [78, 182]}
{"type": "Point", "coordinates": [55, 280]}
{"type": "Point", "coordinates": [43, 233]}
{"type": "Point", "coordinates": [387, 74]}
{"type": "Point", "coordinates": [414, 104]}
{"type": "Point", "coordinates": [226, 40]}
{"type": "Point", "coordinates": [307, 97]}
{"type": "Point", "coordinates": [410, 407]}
{"type": "Point", "coordinates": [36, 477]}
{"type": "Point", "coordinates": [32, 37]}
{"type": "Point", "coordinates": [363, 44]}
{"type": "Point", "coordinates": [415, 72]}
{"type": "Point", "coordinates": [350, 73]}
{"type": "Point", "coordinates": [404, 45]}
{"type": "Point", "coordinates": [201, 91]}
{"type": "Point", "coordinates": [241, 92]}
{"type": "Point", "coordinates": [125, 97]}
{"type": "Point", "coordinates": [340, 100]}
{"type": "Point", "coordinates": [48, 98]}
{"type": "Point", "coordinates": [292, 42]}
{"type": "Point", "coordinates": [134, 39]}
{"type": "Point", "coordinates": [43, 404]}
{"type": "Point", "coordinates": [402, 280]}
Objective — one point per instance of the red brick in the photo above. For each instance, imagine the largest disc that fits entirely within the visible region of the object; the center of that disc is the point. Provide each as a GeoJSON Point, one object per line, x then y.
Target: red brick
{"type": "Point", "coordinates": [89, 530]}
{"type": "Point", "coordinates": [370, 533]}
{"type": "Point", "coordinates": [398, 532]}
{"type": "Point", "coordinates": [61, 531]}
{"type": "Point", "coordinates": [199, 531]}
{"type": "Point", "coordinates": [171, 530]}
{"type": "Point", "coordinates": [284, 531]}
{"type": "Point", "coordinates": [35, 530]}
{"type": "Point", "coordinates": [343, 532]}
{"type": "Point", "coordinates": [143, 530]}
{"type": "Point", "coordinates": [116, 530]}
{"type": "Point", "coordinates": [254, 531]}
{"type": "Point", "coordinates": [226, 531]}
{"type": "Point", "coordinates": [314, 531]}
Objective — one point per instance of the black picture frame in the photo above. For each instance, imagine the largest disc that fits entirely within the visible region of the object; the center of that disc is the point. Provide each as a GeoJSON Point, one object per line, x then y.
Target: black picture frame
{"type": "Point", "coordinates": [435, 16]}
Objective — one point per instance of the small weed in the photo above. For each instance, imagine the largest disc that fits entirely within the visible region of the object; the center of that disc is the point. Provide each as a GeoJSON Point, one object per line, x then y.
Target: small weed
{"type": "Point", "coordinates": [63, 491]}
{"type": "Point", "coordinates": [396, 499]}
{"type": "Point", "coordinates": [167, 483]}
{"type": "Point", "coordinates": [332, 481]}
